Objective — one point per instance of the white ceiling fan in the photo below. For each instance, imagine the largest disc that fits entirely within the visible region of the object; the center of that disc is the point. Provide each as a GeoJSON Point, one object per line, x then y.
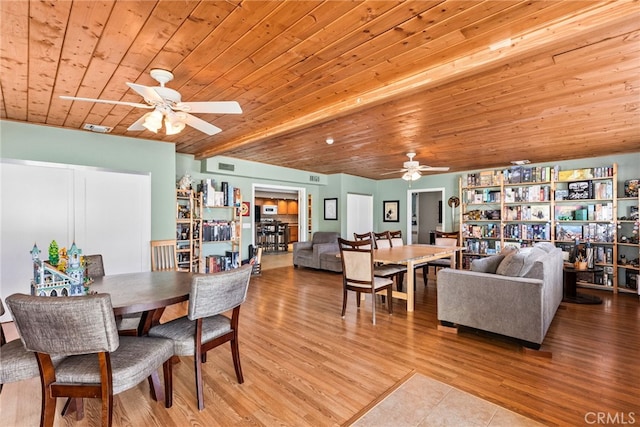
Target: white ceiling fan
{"type": "Point", "coordinates": [167, 104]}
{"type": "Point", "coordinates": [412, 169]}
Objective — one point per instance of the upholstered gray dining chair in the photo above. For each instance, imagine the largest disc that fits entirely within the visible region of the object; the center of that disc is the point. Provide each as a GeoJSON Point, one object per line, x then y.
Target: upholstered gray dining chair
{"type": "Point", "coordinates": [99, 363]}
{"type": "Point", "coordinates": [388, 271]}
{"type": "Point", "coordinates": [205, 325]}
{"type": "Point", "coordinates": [16, 363]}
{"type": "Point", "coordinates": [358, 274]}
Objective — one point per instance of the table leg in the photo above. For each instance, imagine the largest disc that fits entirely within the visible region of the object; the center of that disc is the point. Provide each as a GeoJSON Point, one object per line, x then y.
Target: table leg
{"type": "Point", "coordinates": [410, 284]}
{"type": "Point", "coordinates": [570, 290]}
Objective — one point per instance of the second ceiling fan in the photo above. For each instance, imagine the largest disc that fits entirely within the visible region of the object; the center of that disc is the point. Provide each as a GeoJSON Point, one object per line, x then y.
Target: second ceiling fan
{"type": "Point", "coordinates": [167, 106]}
{"type": "Point", "coordinates": [412, 169]}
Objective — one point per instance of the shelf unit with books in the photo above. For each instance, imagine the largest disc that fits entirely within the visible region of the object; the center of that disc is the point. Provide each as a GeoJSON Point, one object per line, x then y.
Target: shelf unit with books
{"type": "Point", "coordinates": [523, 205]}
{"type": "Point", "coordinates": [188, 226]}
{"type": "Point", "coordinates": [584, 203]}
{"type": "Point", "coordinates": [627, 243]}
{"type": "Point", "coordinates": [480, 215]}
{"type": "Point", "coordinates": [221, 227]}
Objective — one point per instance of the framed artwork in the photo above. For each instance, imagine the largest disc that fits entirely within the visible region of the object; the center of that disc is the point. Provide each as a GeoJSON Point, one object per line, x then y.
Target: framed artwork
{"type": "Point", "coordinates": [246, 208]}
{"type": "Point", "coordinates": [390, 210]}
{"type": "Point", "coordinates": [331, 209]}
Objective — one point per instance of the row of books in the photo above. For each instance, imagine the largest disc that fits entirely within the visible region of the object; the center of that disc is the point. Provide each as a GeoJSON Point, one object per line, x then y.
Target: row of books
{"type": "Point", "coordinates": [482, 215]}
{"type": "Point", "coordinates": [594, 232]}
{"type": "Point", "coordinates": [590, 212]}
{"type": "Point", "coordinates": [482, 196]}
{"type": "Point", "coordinates": [217, 196]}
{"type": "Point", "coordinates": [527, 213]}
{"type": "Point", "coordinates": [219, 230]}
{"type": "Point", "coordinates": [527, 231]}
{"type": "Point", "coordinates": [491, 231]}
{"type": "Point", "coordinates": [520, 174]}
{"type": "Point", "coordinates": [534, 193]}
{"type": "Point", "coordinates": [585, 173]}
{"type": "Point", "coordinates": [216, 263]}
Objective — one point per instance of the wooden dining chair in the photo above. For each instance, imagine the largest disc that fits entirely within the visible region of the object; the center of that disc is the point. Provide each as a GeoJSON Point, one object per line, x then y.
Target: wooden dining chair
{"type": "Point", "coordinates": [442, 262]}
{"type": "Point", "coordinates": [98, 363]}
{"type": "Point", "coordinates": [163, 255]}
{"type": "Point", "coordinates": [396, 271]}
{"type": "Point", "coordinates": [206, 325]}
{"type": "Point", "coordinates": [95, 266]}
{"type": "Point", "coordinates": [358, 274]}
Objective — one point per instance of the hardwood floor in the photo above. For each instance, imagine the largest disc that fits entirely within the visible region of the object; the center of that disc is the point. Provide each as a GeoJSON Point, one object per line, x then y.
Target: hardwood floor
{"type": "Point", "coordinates": [305, 366]}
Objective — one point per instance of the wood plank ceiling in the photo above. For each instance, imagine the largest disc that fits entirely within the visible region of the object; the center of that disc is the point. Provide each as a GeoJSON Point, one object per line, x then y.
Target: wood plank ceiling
{"type": "Point", "coordinates": [464, 84]}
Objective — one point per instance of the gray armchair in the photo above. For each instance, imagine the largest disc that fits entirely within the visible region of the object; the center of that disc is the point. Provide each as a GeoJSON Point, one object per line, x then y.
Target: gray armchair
{"type": "Point", "coordinates": [99, 363]}
{"type": "Point", "coordinates": [320, 253]}
{"type": "Point", "coordinates": [206, 327]}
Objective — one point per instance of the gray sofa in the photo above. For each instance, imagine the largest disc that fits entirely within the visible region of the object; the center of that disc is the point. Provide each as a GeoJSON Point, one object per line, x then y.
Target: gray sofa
{"type": "Point", "coordinates": [320, 253]}
{"type": "Point", "coordinates": [515, 295]}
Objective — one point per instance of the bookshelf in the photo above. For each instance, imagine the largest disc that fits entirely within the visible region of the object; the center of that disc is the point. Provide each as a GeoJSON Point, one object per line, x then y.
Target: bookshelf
{"type": "Point", "coordinates": [523, 205]}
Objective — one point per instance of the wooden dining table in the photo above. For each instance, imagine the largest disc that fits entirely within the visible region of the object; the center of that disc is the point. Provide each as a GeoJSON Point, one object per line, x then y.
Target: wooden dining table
{"type": "Point", "coordinates": [149, 293]}
{"type": "Point", "coordinates": [411, 256]}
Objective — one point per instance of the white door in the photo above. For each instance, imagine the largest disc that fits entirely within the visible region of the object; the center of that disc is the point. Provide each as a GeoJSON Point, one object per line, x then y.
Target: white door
{"type": "Point", "coordinates": [359, 214]}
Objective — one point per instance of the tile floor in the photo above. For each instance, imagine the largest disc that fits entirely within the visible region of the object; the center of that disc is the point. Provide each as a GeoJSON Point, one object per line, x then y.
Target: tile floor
{"type": "Point", "coordinates": [422, 401]}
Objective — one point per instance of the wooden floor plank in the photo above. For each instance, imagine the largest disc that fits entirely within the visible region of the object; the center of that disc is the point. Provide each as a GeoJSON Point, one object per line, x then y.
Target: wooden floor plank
{"type": "Point", "coordinates": [306, 366]}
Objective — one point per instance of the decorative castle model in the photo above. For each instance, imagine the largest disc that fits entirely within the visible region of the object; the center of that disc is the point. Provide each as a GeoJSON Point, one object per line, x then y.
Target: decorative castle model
{"type": "Point", "coordinates": [48, 280]}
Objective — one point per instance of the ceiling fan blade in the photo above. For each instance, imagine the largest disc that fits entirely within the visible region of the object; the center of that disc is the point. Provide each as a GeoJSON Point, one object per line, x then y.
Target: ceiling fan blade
{"type": "Point", "coordinates": [137, 125]}
{"type": "Point", "coordinates": [106, 101]}
{"type": "Point", "coordinates": [433, 168]}
{"type": "Point", "coordinates": [213, 107]}
{"type": "Point", "coordinates": [201, 125]}
{"type": "Point", "coordinates": [146, 92]}
{"type": "Point", "coordinates": [392, 172]}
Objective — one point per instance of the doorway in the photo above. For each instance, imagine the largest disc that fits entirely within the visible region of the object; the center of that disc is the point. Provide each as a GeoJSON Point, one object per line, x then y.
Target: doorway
{"type": "Point", "coordinates": [426, 214]}
{"type": "Point", "coordinates": [277, 218]}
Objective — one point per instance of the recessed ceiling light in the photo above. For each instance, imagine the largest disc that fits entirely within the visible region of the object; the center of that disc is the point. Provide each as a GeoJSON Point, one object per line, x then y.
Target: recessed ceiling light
{"type": "Point", "coordinates": [520, 162]}
{"type": "Point", "coordinates": [329, 140]}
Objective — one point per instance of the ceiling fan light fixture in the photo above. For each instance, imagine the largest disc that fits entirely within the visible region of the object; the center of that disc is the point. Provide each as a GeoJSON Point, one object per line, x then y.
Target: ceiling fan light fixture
{"type": "Point", "coordinates": [153, 121]}
{"type": "Point", "coordinates": [411, 175]}
{"type": "Point", "coordinates": [174, 123]}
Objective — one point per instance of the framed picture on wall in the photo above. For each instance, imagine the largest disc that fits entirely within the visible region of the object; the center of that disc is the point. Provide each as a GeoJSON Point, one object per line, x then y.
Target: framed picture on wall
{"type": "Point", "coordinates": [390, 210]}
{"type": "Point", "coordinates": [331, 209]}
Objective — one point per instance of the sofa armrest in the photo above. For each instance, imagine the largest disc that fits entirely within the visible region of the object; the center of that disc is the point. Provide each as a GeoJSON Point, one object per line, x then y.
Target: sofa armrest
{"type": "Point", "coordinates": [301, 245]}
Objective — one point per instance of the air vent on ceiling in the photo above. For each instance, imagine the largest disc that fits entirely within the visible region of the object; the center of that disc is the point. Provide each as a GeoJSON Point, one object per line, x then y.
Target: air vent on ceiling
{"type": "Point", "coordinates": [97, 128]}
{"type": "Point", "coordinates": [226, 167]}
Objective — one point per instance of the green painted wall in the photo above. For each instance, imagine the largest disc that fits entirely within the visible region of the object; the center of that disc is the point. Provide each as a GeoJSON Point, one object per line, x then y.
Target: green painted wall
{"type": "Point", "coordinates": [55, 145]}
{"type": "Point", "coordinates": [51, 144]}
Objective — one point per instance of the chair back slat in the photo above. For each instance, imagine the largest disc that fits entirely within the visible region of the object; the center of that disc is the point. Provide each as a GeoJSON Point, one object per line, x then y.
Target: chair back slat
{"type": "Point", "coordinates": [446, 241]}
{"type": "Point", "coordinates": [357, 260]}
{"type": "Point", "coordinates": [65, 325]}
{"type": "Point", "coordinates": [216, 293]}
{"type": "Point", "coordinates": [363, 236]}
{"type": "Point", "coordinates": [396, 238]}
{"type": "Point", "coordinates": [382, 240]}
{"type": "Point", "coordinates": [163, 255]}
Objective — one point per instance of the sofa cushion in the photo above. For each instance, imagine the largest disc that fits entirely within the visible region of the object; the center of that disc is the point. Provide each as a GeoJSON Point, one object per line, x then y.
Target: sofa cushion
{"type": "Point", "coordinates": [487, 265]}
{"type": "Point", "coordinates": [512, 264]}
{"type": "Point", "coordinates": [545, 246]}
{"type": "Point", "coordinates": [518, 264]}
{"type": "Point", "coordinates": [325, 237]}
